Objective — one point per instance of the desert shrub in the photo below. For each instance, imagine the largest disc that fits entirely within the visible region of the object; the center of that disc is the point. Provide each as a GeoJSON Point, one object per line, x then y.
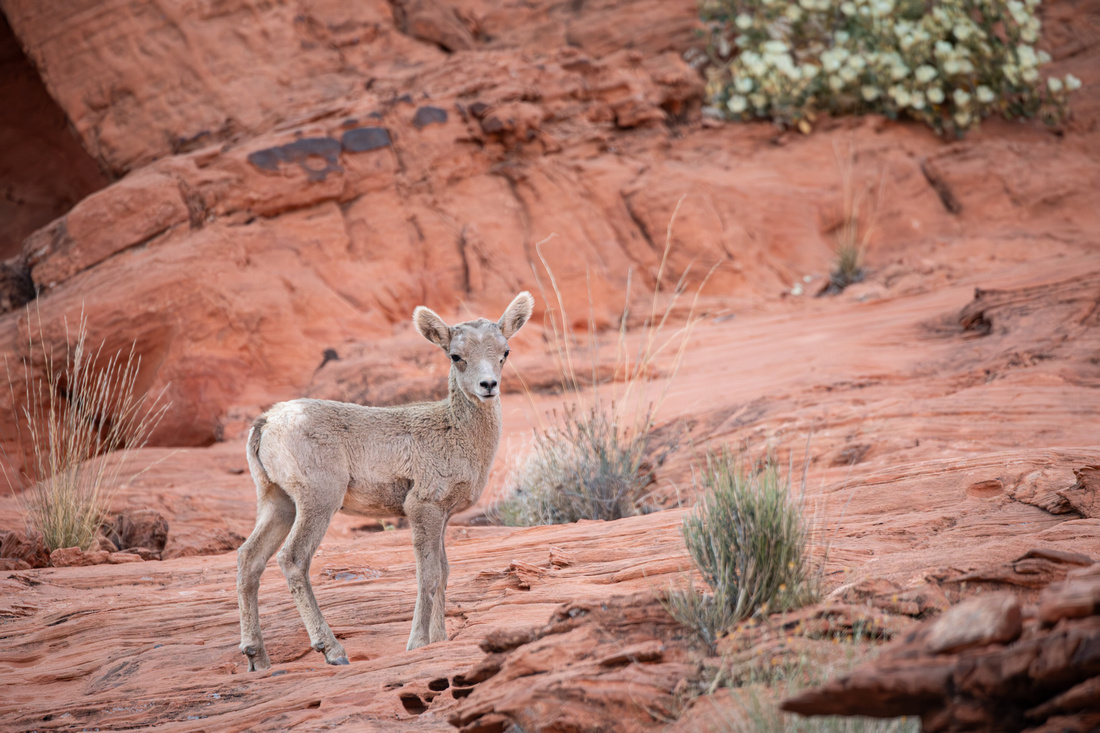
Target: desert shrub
{"type": "Point", "coordinates": [948, 63]}
{"type": "Point", "coordinates": [749, 541]}
{"type": "Point", "coordinates": [84, 406]}
{"type": "Point", "coordinates": [593, 458]}
{"type": "Point", "coordinates": [583, 467]}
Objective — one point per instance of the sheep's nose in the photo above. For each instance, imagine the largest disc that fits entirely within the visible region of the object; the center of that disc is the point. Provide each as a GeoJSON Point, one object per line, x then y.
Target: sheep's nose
{"type": "Point", "coordinates": [489, 386]}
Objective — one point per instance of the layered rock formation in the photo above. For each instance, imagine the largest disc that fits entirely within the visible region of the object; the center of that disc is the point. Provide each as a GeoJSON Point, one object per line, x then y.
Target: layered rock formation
{"type": "Point", "coordinates": [372, 159]}
{"type": "Point", "coordinates": [986, 664]}
{"type": "Point", "coordinates": [289, 181]}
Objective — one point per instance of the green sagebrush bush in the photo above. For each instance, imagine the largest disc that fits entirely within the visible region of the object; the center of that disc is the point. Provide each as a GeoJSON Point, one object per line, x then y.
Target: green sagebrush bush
{"type": "Point", "coordinates": [948, 63]}
{"type": "Point", "coordinates": [749, 541]}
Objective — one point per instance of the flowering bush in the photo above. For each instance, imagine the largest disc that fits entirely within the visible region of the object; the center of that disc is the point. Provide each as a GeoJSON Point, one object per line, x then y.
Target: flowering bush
{"type": "Point", "coordinates": [948, 63]}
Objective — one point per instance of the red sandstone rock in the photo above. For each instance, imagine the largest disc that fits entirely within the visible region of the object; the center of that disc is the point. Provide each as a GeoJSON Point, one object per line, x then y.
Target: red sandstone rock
{"type": "Point", "coordinates": [991, 619]}
{"type": "Point", "coordinates": [202, 542]}
{"type": "Point", "coordinates": [69, 557]}
{"type": "Point", "coordinates": [977, 667]}
{"type": "Point", "coordinates": [28, 547]}
{"type": "Point", "coordinates": [139, 528]}
{"type": "Point", "coordinates": [322, 204]}
{"type": "Point", "coordinates": [13, 563]}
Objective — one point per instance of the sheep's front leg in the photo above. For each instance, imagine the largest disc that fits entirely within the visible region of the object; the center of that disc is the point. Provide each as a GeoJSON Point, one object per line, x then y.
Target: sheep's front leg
{"type": "Point", "coordinates": [427, 521]}
{"type": "Point", "coordinates": [438, 627]}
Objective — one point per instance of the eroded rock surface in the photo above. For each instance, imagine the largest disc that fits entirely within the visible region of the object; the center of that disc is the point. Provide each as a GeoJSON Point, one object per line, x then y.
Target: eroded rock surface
{"type": "Point", "coordinates": [978, 667]}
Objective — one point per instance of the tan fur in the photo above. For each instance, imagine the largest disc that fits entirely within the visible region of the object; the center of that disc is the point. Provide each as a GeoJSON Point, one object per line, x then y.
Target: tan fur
{"type": "Point", "coordinates": [312, 458]}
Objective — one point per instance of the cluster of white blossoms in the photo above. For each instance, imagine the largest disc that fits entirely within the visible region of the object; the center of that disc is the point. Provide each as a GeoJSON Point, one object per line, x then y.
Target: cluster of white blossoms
{"type": "Point", "coordinates": [949, 66]}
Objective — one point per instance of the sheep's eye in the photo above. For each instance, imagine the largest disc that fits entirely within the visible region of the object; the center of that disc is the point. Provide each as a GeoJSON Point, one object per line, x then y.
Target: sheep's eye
{"type": "Point", "coordinates": [506, 353]}
{"type": "Point", "coordinates": [456, 358]}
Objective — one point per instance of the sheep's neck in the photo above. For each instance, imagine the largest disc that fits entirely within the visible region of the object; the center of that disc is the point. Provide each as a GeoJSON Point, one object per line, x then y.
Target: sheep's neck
{"type": "Point", "coordinates": [473, 416]}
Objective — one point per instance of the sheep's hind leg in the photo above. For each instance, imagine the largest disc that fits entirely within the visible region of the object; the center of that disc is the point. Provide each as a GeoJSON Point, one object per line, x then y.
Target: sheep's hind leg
{"type": "Point", "coordinates": [295, 557]}
{"type": "Point", "coordinates": [274, 517]}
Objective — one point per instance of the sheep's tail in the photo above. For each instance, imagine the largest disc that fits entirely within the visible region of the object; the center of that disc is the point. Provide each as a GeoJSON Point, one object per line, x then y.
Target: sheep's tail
{"type": "Point", "coordinates": [259, 473]}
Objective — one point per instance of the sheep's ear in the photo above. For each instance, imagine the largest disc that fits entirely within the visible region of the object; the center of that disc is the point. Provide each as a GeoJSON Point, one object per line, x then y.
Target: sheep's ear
{"type": "Point", "coordinates": [516, 314]}
{"type": "Point", "coordinates": [432, 327]}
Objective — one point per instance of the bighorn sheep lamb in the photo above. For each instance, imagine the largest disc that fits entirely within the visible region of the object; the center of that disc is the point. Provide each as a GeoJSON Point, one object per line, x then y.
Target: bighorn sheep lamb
{"type": "Point", "coordinates": [310, 458]}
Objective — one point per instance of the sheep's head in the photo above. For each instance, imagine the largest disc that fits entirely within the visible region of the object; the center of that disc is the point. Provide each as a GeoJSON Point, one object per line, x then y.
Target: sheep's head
{"type": "Point", "coordinates": [477, 349]}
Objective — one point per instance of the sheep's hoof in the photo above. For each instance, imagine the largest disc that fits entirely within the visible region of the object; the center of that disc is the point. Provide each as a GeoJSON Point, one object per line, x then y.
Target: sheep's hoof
{"type": "Point", "coordinates": [340, 661]}
{"type": "Point", "coordinates": [257, 659]}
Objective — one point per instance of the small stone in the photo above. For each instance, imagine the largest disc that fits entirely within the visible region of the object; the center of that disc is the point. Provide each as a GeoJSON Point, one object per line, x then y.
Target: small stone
{"type": "Point", "coordinates": [118, 558]}
{"type": "Point", "coordinates": [989, 619]}
{"type": "Point", "coordinates": [559, 558]}
{"type": "Point", "coordinates": [13, 563]}
{"type": "Point", "coordinates": [29, 547]}
{"type": "Point", "coordinates": [1076, 598]}
{"type": "Point", "coordinates": [145, 553]}
{"type": "Point", "coordinates": [68, 557]}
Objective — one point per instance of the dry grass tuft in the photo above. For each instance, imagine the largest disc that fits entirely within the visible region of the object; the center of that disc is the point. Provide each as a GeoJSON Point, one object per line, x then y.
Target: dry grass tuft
{"type": "Point", "coordinates": [83, 407]}
{"type": "Point", "coordinates": [859, 218]}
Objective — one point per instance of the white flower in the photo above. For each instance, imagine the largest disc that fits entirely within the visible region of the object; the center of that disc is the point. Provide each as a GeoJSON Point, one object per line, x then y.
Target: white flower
{"type": "Point", "coordinates": [857, 62]}
{"type": "Point", "coordinates": [1044, 57]}
{"type": "Point", "coordinates": [961, 31]}
{"type": "Point", "coordinates": [966, 67]}
{"type": "Point", "coordinates": [869, 93]}
{"type": "Point", "coordinates": [901, 96]}
{"type": "Point", "coordinates": [961, 97]}
{"type": "Point", "coordinates": [935, 95]}
{"type": "Point", "coordinates": [743, 21]}
{"type": "Point", "coordinates": [848, 8]}
{"type": "Point", "coordinates": [737, 104]}
{"type": "Point", "coordinates": [775, 47]}
{"type": "Point", "coordinates": [943, 48]}
{"type": "Point", "coordinates": [882, 8]}
{"type": "Point", "coordinates": [1072, 82]}
{"type": "Point", "coordinates": [1029, 75]}
{"type": "Point", "coordinates": [841, 36]}
{"type": "Point", "coordinates": [1027, 57]}
{"type": "Point", "coordinates": [743, 84]}
{"type": "Point", "coordinates": [848, 74]}
{"type": "Point", "coordinates": [985, 94]}
{"type": "Point", "coordinates": [794, 13]}
{"type": "Point", "coordinates": [962, 119]}
{"type": "Point", "coordinates": [899, 72]}
{"type": "Point", "coordinates": [1055, 84]}
{"type": "Point", "coordinates": [836, 83]}
{"type": "Point", "coordinates": [758, 100]}
{"type": "Point", "coordinates": [951, 66]}
{"type": "Point", "coordinates": [809, 71]}
{"type": "Point", "coordinates": [917, 100]}
{"type": "Point", "coordinates": [925, 73]}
